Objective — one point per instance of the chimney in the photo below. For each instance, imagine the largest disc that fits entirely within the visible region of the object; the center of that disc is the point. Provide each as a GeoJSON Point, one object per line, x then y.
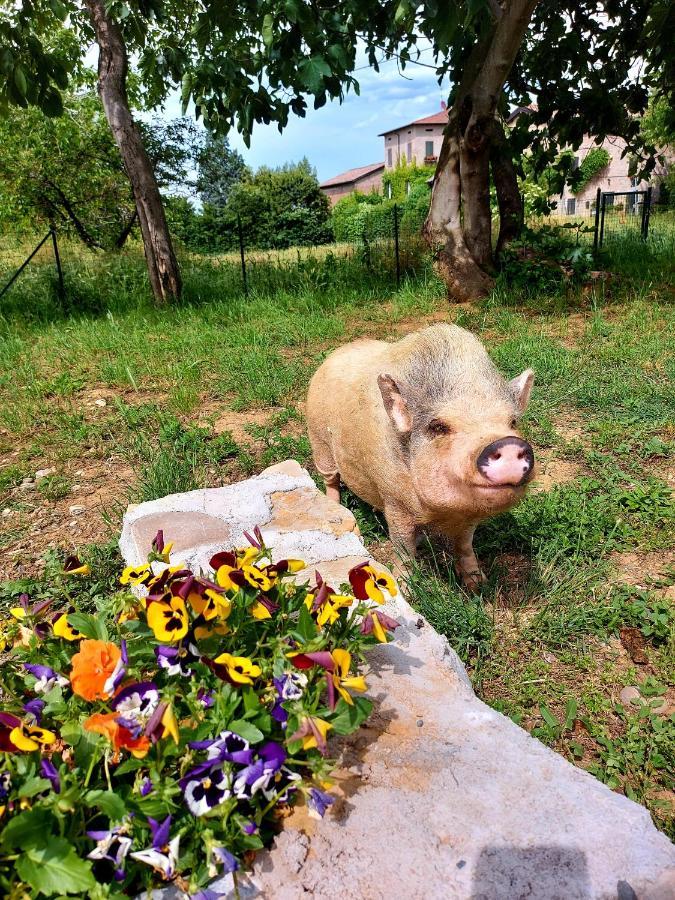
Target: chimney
{"type": "Point", "coordinates": [444, 105]}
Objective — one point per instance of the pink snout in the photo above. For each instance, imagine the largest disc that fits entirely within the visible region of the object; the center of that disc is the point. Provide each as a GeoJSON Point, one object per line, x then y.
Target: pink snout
{"type": "Point", "coordinates": [508, 461]}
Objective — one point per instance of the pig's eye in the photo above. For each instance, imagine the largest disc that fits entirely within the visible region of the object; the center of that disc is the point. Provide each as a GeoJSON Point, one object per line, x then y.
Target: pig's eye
{"type": "Point", "coordinates": [436, 427]}
{"type": "Point", "coordinates": [513, 424]}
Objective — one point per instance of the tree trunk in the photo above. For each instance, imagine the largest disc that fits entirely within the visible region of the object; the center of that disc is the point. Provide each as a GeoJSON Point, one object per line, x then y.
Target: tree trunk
{"type": "Point", "coordinates": [459, 224]}
{"type": "Point", "coordinates": [112, 74]}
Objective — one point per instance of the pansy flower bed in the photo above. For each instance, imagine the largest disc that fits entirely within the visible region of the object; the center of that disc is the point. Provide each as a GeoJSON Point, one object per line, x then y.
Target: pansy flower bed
{"type": "Point", "coordinates": [162, 740]}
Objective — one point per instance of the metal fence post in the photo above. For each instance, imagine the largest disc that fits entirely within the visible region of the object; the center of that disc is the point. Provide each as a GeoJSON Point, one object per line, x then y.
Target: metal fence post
{"type": "Point", "coordinates": [243, 259]}
{"type": "Point", "coordinates": [23, 266]}
{"type": "Point", "coordinates": [57, 259]}
{"type": "Point", "coordinates": [396, 248]}
{"type": "Point", "coordinates": [602, 219]}
{"type": "Point", "coordinates": [646, 208]}
{"type": "Point", "coordinates": [598, 197]}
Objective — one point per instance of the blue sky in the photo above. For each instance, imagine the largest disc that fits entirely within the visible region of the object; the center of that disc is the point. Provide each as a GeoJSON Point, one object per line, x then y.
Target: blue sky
{"type": "Point", "coordinates": [342, 136]}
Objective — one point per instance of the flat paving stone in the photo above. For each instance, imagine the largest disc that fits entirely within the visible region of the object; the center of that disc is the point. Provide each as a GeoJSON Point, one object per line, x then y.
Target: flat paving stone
{"type": "Point", "coordinates": [439, 796]}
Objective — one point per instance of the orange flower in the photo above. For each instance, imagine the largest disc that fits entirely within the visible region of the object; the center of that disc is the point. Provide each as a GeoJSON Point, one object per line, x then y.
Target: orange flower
{"type": "Point", "coordinates": [92, 667]}
{"type": "Point", "coordinates": [121, 738]}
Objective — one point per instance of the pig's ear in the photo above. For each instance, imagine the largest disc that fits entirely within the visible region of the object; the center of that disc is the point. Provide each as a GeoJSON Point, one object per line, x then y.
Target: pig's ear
{"type": "Point", "coordinates": [521, 387]}
{"type": "Point", "coordinates": [395, 404]}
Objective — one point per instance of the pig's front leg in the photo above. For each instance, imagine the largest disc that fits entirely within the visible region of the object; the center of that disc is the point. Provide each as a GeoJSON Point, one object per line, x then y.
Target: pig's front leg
{"type": "Point", "coordinates": [466, 564]}
{"type": "Point", "coordinates": [403, 535]}
{"type": "Point", "coordinates": [332, 483]}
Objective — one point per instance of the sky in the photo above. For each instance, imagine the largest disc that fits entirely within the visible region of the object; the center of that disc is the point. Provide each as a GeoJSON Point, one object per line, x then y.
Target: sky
{"type": "Point", "coordinates": [338, 136]}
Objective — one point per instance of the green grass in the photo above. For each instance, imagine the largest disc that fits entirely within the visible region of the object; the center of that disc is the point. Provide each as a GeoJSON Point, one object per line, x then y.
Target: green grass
{"type": "Point", "coordinates": [542, 640]}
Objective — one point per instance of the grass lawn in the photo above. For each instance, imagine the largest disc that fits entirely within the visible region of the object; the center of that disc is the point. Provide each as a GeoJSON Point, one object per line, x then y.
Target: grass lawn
{"type": "Point", "coordinates": [122, 402]}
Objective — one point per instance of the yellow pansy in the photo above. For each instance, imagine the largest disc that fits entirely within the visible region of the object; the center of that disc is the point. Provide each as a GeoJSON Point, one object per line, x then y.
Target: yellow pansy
{"type": "Point", "coordinates": [136, 574]}
{"type": "Point", "coordinates": [210, 604]}
{"type": "Point", "coordinates": [341, 677]}
{"type": "Point", "coordinates": [240, 669]}
{"type": "Point", "coordinates": [30, 737]}
{"type": "Point", "coordinates": [257, 578]}
{"type": "Point", "coordinates": [62, 629]}
{"type": "Point", "coordinates": [170, 724]}
{"type": "Point", "coordinates": [168, 619]}
{"type": "Point", "coordinates": [260, 611]}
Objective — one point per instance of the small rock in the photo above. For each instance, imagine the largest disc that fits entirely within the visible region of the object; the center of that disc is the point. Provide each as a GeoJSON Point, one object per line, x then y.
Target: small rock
{"type": "Point", "coordinates": [79, 473]}
{"type": "Point", "coordinates": [6, 513]}
{"type": "Point", "coordinates": [27, 484]}
{"type": "Point", "coordinates": [658, 705]}
{"type": "Point", "coordinates": [101, 402]}
{"type": "Point", "coordinates": [630, 694]}
{"type": "Point", "coordinates": [72, 524]}
{"type": "Point", "coordinates": [44, 473]}
{"type": "Point", "coordinates": [548, 657]}
{"type": "Point", "coordinates": [420, 722]}
{"type": "Point", "coordinates": [75, 488]}
{"type": "Point", "coordinates": [76, 509]}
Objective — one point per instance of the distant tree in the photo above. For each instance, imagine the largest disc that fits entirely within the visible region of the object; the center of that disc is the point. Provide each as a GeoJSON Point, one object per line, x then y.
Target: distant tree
{"type": "Point", "coordinates": [219, 169]}
{"type": "Point", "coordinates": [68, 171]}
{"type": "Point", "coordinates": [279, 207]}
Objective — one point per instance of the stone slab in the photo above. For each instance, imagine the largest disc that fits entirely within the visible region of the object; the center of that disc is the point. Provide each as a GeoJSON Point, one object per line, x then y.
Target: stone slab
{"type": "Point", "coordinates": [440, 796]}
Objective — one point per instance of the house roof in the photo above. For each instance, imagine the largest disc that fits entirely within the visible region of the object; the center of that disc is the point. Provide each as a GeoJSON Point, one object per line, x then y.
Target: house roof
{"type": "Point", "coordinates": [352, 175]}
{"type": "Point", "coordinates": [437, 118]}
{"type": "Point", "coordinates": [521, 110]}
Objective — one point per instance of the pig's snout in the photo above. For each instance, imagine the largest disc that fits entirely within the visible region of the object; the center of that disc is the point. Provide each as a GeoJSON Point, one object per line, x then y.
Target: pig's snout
{"type": "Point", "coordinates": [508, 461]}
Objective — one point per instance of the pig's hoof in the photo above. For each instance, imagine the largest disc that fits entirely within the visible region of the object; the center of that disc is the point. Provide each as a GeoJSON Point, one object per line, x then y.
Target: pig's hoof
{"type": "Point", "coordinates": [473, 581]}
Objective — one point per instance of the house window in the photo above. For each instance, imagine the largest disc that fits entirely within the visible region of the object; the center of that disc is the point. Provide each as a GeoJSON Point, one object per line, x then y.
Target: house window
{"type": "Point", "coordinates": [389, 157]}
{"type": "Point", "coordinates": [428, 148]}
{"type": "Point", "coordinates": [575, 163]}
{"type": "Point", "coordinates": [588, 204]}
{"type": "Point", "coordinates": [609, 199]}
{"type": "Point", "coordinates": [570, 206]}
{"type": "Point", "coordinates": [428, 129]}
{"type": "Point", "coordinates": [410, 152]}
{"type": "Point", "coordinates": [635, 182]}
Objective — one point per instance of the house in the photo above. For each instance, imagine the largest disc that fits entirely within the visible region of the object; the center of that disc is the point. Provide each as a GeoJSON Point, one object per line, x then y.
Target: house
{"type": "Point", "coordinates": [364, 179]}
{"type": "Point", "coordinates": [613, 179]}
{"type": "Point", "coordinates": [418, 141]}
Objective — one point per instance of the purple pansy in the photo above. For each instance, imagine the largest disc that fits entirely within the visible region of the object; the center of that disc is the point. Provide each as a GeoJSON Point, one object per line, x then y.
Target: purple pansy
{"type": "Point", "coordinates": [46, 677]}
{"type": "Point", "coordinates": [266, 774]}
{"type": "Point", "coordinates": [136, 704]}
{"type": "Point", "coordinates": [206, 698]}
{"type": "Point", "coordinates": [33, 710]}
{"type": "Point", "coordinates": [51, 773]}
{"type": "Point", "coordinates": [113, 681]}
{"type": "Point", "coordinates": [162, 855]}
{"type": "Point", "coordinates": [318, 802]}
{"type": "Point", "coordinates": [228, 747]}
{"type": "Point", "coordinates": [289, 687]}
{"type": "Point", "coordinates": [249, 827]}
{"type": "Point", "coordinates": [175, 660]}
{"type": "Point", "coordinates": [145, 787]}
{"type": "Point", "coordinates": [112, 846]}
{"type": "Point", "coordinates": [205, 787]}
{"type": "Point", "coordinates": [226, 859]}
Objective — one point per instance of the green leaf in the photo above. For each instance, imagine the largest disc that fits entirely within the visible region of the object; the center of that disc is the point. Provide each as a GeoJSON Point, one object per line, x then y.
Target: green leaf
{"type": "Point", "coordinates": [55, 869]}
{"type": "Point", "coordinates": [6, 60]}
{"type": "Point", "coordinates": [34, 785]}
{"type": "Point", "coordinates": [348, 718]}
{"type": "Point", "coordinates": [548, 717]}
{"type": "Point", "coordinates": [268, 30]}
{"type": "Point", "coordinates": [306, 625]}
{"type": "Point", "coordinates": [109, 803]}
{"type": "Point", "coordinates": [27, 828]}
{"type": "Point", "coordinates": [20, 81]}
{"type": "Point", "coordinates": [90, 626]}
{"type": "Point", "coordinates": [570, 714]}
{"type": "Point", "coordinates": [51, 103]}
{"type": "Point", "coordinates": [185, 91]}
{"type": "Point", "coordinates": [312, 71]}
{"type": "Point", "coordinates": [58, 9]}
{"type": "Point", "coordinates": [246, 730]}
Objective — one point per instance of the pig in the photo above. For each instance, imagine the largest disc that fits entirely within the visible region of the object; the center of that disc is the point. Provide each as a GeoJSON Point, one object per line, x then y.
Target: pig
{"type": "Point", "coordinates": [425, 430]}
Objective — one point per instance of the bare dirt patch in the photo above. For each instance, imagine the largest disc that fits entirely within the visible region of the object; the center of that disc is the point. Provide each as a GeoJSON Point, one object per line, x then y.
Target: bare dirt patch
{"type": "Point", "coordinates": [217, 416]}
{"type": "Point", "coordinates": [641, 569]}
{"type": "Point", "coordinates": [552, 471]}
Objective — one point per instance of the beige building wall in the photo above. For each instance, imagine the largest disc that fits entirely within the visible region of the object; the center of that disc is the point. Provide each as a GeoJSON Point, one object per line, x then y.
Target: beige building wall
{"type": "Point", "coordinates": [614, 178]}
{"type": "Point", "coordinates": [365, 185]}
{"type": "Point", "coordinates": [410, 143]}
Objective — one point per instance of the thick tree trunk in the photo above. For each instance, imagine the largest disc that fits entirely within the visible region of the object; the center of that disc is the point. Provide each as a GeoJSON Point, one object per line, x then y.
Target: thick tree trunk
{"type": "Point", "coordinates": [459, 225]}
{"type": "Point", "coordinates": [112, 73]}
{"type": "Point", "coordinates": [509, 198]}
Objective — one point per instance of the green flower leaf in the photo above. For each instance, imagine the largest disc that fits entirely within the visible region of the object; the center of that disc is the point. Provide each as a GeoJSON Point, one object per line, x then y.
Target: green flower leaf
{"type": "Point", "coordinates": [28, 828]}
{"type": "Point", "coordinates": [268, 30]}
{"type": "Point", "coordinates": [109, 803]}
{"type": "Point", "coordinates": [348, 718]}
{"type": "Point", "coordinates": [55, 869]}
{"type": "Point", "coordinates": [312, 71]}
{"type": "Point", "coordinates": [246, 730]}
{"type": "Point", "coordinates": [90, 626]}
